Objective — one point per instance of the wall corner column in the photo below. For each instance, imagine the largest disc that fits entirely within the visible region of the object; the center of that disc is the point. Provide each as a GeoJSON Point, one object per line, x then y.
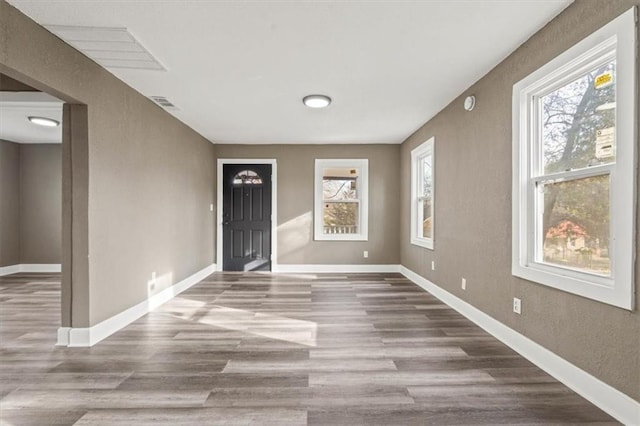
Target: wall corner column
{"type": "Point", "coordinates": [75, 216]}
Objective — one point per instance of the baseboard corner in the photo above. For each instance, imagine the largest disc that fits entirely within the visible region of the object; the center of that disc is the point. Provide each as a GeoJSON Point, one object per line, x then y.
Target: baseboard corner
{"type": "Point", "coordinates": [8, 270]}
{"type": "Point", "coordinates": [89, 336]}
{"type": "Point", "coordinates": [63, 336]}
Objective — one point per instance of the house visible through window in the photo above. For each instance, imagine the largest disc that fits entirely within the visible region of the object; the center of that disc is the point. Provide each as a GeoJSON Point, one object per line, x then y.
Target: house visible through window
{"type": "Point", "coordinates": [341, 199]}
{"type": "Point", "coordinates": [578, 129]}
{"type": "Point", "coordinates": [422, 191]}
{"type": "Point", "coordinates": [573, 168]}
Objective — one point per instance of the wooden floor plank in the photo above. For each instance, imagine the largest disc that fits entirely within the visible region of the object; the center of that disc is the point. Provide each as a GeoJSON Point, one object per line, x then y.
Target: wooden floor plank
{"type": "Point", "coordinates": [280, 349]}
{"type": "Point", "coordinates": [204, 416]}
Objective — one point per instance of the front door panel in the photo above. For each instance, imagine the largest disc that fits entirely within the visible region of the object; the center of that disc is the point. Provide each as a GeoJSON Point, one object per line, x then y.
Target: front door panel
{"type": "Point", "coordinates": [246, 217]}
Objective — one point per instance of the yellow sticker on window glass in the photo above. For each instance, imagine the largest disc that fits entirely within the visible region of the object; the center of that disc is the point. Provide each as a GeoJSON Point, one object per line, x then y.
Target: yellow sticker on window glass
{"type": "Point", "coordinates": [603, 80]}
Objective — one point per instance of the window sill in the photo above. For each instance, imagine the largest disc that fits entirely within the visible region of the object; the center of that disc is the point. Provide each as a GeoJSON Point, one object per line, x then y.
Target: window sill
{"type": "Point", "coordinates": [600, 289]}
{"type": "Point", "coordinates": [350, 237]}
{"type": "Point", "coordinates": [422, 242]}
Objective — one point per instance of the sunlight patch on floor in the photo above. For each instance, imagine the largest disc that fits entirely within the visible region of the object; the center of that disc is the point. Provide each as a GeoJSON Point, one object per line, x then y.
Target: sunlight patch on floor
{"type": "Point", "coordinates": [257, 324]}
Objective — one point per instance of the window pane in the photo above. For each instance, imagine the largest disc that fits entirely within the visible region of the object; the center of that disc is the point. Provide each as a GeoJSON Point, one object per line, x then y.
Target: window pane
{"type": "Point", "coordinates": [426, 175]}
{"type": "Point", "coordinates": [575, 224]}
{"type": "Point", "coordinates": [426, 223]}
{"type": "Point", "coordinates": [338, 189]}
{"type": "Point", "coordinates": [427, 191]}
{"type": "Point", "coordinates": [340, 218]}
{"type": "Point", "coordinates": [339, 184]}
{"type": "Point", "coordinates": [578, 122]}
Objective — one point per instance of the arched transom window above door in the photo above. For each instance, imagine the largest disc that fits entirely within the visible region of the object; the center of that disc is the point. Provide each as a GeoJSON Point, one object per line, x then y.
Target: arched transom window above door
{"type": "Point", "coordinates": [247, 177]}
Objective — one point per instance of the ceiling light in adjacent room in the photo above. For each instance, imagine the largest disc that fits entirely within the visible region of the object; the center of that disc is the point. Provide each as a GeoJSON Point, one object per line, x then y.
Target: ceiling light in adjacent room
{"type": "Point", "coordinates": [43, 121]}
{"type": "Point", "coordinates": [316, 101]}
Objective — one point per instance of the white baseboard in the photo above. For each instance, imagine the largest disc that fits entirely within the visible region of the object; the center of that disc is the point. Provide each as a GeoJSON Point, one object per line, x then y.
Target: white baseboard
{"type": "Point", "coordinates": [41, 267]}
{"type": "Point", "coordinates": [620, 406]}
{"type": "Point", "coordinates": [63, 336]}
{"type": "Point", "coordinates": [89, 336]}
{"type": "Point", "coordinates": [30, 267]}
{"type": "Point", "coordinates": [8, 270]}
{"type": "Point", "coordinates": [299, 268]}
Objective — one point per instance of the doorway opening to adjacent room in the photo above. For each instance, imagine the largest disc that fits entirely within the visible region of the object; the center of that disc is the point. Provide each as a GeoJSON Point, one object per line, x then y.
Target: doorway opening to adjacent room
{"type": "Point", "coordinates": [48, 129]}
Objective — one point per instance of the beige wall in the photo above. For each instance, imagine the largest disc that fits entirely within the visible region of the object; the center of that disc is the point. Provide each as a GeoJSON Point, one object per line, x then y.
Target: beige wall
{"type": "Point", "coordinates": [30, 203]}
{"type": "Point", "coordinates": [473, 216]}
{"type": "Point", "coordinates": [9, 203]}
{"type": "Point", "coordinates": [295, 202]}
{"type": "Point", "coordinates": [150, 177]}
{"type": "Point", "coordinates": [40, 203]}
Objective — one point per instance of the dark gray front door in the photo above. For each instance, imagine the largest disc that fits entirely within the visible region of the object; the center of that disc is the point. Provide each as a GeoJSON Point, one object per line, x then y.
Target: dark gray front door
{"type": "Point", "coordinates": [246, 217]}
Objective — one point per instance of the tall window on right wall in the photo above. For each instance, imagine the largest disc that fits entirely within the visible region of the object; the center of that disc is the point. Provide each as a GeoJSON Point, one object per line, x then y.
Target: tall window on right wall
{"type": "Point", "coordinates": [574, 156]}
{"type": "Point", "coordinates": [422, 191]}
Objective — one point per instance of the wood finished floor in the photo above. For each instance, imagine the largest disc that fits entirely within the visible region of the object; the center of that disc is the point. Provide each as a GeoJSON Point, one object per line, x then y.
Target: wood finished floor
{"type": "Point", "coordinates": [273, 349]}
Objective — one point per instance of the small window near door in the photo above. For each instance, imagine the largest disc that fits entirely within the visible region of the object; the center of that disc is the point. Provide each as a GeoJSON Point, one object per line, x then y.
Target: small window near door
{"type": "Point", "coordinates": [341, 206]}
{"type": "Point", "coordinates": [422, 189]}
{"type": "Point", "coordinates": [247, 177]}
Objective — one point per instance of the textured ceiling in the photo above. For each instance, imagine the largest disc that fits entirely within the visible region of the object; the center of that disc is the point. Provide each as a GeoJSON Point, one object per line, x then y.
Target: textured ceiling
{"type": "Point", "coordinates": [237, 70]}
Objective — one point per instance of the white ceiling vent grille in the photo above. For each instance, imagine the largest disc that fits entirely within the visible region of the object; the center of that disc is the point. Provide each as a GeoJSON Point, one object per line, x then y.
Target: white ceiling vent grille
{"type": "Point", "coordinates": [163, 102]}
{"type": "Point", "coordinates": [109, 47]}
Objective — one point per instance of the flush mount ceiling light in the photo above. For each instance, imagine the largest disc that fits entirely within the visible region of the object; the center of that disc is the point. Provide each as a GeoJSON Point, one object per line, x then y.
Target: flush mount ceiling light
{"type": "Point", "coordinates": [316, 101]}
{"type": "Point", "coordinates": [43, 121]}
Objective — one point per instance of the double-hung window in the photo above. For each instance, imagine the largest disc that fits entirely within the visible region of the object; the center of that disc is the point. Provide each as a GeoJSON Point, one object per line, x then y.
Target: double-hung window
{"type": "Point", "coordinates": [422, 191]}
{"type": "Point", "coordinates": [341, 199]}
{"type": "Point", "coordinates": [574, 151]}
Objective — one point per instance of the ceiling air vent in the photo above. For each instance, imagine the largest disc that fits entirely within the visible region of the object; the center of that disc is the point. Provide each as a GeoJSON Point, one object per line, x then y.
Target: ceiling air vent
{"type": "Point", "coordinates": [109, 47]}
{"type": "Point", "coordinates": [163, 102]}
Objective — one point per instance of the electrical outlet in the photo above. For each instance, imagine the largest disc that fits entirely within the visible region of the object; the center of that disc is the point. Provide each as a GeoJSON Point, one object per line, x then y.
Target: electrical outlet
{"type": "Point", "coordinates": [152, 282]}
{"type": "Point", "coordinates": [211, 207]}
{"type": "Point", "coordinates": [433, 265]}
{"type": "Point", "coordinates": [464, 283]}
{"type": "Point", "coordinates": [365, 254]}
{"type": "Point", "coordinates": [517, 305]}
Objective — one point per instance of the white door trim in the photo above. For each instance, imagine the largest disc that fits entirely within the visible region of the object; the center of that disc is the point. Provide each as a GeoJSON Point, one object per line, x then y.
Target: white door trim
{"type": "Point", "coordinates": [274, 206]}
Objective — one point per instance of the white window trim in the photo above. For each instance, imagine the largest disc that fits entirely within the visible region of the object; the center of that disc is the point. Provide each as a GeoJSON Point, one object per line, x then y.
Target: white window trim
{"type": "Point", "coordinates": [417, 154]}
{"type": "Point", "coordinates": [363, 191]}
{"type": "Point", "coordinates": [617, 290]}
